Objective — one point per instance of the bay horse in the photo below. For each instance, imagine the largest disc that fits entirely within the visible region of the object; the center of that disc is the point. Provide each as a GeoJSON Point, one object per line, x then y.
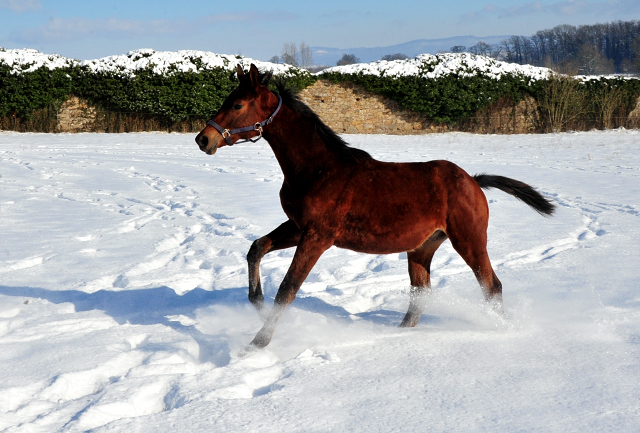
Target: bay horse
{"type": "Point", "coordinates": [338, 195]}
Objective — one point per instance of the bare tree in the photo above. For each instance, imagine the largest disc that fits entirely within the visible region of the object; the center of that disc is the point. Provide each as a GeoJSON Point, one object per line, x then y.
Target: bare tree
{"type": "Point", "coordinates": [635, 47]}
{"type": "Point", "coordinates": [481, 49]}
{"type": "Point", "coordinates": [275, 59]}
{"type": "Point", "coordinates": [561, 45]}
{"type": "Point", "coordinates": [306, 57]}
{"type": "Point", "coordinates": [591, 61]}
{"type": "Point", "coordinates": [458, 49]}
{"type": "Point", "coordinates": [561, 103]}
{"type": "Point", "coordinates": [289, 53]}
{"type": "Point", "coordinates": [610, 103]}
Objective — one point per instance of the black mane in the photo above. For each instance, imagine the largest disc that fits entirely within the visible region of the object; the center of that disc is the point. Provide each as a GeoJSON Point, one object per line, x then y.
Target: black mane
{"type": "Point", "coordinates": [334, 143]}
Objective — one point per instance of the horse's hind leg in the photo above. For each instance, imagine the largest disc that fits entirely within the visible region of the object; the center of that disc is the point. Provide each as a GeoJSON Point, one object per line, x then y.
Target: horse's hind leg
{"type": "Point", "coordinates": [287, 235]}
{"type": "Point", "coordinates": [420, 276]}
{"type": "Point", "coordinates": [472, 247]}
{"type": "Point", "coordinates": [491, 285]}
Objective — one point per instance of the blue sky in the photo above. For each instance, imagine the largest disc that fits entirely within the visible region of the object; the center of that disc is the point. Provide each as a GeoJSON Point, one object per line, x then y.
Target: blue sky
{"type": "Point", "coordinates": [87, 29]}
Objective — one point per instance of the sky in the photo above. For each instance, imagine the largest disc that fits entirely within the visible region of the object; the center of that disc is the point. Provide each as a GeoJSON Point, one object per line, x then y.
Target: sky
{"type": "Point", "coordinates": [87, 29]}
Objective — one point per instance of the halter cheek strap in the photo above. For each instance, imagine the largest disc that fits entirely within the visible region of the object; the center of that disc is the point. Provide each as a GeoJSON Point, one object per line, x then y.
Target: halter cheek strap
{"type": "Point", "coordinates": [226, 134]}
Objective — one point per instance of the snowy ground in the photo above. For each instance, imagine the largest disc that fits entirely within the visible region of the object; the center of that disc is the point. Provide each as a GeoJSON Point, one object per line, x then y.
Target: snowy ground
{"type": "Point", "coordinates": [123, 295]}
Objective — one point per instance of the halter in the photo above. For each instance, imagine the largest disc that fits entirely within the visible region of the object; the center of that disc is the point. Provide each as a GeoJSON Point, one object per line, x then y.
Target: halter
{"type": "Point", "coordinates": [256, 127]}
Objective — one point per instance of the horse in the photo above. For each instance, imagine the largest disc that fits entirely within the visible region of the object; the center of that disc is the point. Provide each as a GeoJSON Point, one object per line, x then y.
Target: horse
{"type": "Point", "coordinates": [334, 194]}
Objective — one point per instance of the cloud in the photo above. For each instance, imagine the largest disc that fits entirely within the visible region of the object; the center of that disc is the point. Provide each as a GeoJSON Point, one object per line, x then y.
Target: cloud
{"type": "Point", "coordinates": [68, 29]}
{"type": "Point", "coordinates": [20, 5]}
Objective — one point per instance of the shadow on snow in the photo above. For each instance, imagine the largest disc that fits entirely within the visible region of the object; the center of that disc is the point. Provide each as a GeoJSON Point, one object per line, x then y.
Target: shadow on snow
{"type": "Point", "coordinates": [152, 306]}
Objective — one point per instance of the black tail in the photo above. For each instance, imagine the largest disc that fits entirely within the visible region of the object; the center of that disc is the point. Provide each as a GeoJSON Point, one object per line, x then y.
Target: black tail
{"type": "Point", "coordinates": [519, 190]}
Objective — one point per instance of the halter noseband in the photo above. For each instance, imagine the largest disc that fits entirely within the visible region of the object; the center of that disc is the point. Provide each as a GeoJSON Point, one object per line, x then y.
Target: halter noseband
{"type": "Point", "coordinates": [256, 127]}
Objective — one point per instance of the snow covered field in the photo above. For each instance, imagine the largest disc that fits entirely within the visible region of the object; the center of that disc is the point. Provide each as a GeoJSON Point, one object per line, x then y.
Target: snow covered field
{"type": "Point", "coordinates": [123, 295]}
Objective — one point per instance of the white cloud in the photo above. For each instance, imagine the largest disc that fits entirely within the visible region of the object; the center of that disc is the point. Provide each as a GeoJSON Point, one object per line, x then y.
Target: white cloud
{"type": "Point", "coordinates": [68, 29]}
{"type": "Point", "coordinates": [20, 5]}
{"type": "Point", "coordinates": [58, 29]}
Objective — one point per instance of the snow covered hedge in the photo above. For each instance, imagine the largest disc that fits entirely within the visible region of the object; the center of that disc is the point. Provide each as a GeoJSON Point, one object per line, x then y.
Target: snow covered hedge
{"type": "Point", "coordinates": [177, 85]}
{"type": "Point", "coordinates": [446, 87]}
{"type": "Point", "coordinates": [450, 87]}
{"type": "Point", "coordinates": [186, 85]}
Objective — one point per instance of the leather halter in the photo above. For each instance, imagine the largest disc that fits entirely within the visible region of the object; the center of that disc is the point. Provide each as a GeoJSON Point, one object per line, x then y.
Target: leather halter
{"type": "Point", "coordinates": [256, 127]}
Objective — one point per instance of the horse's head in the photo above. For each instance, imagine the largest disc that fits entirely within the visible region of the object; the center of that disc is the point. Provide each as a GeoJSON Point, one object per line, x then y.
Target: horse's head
{"type": "Point", "coordinates": [244, 113]}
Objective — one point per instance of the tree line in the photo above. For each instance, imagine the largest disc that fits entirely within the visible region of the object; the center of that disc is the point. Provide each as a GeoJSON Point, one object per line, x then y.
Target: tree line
{"type": "Point", "coordinates": [588, 49]}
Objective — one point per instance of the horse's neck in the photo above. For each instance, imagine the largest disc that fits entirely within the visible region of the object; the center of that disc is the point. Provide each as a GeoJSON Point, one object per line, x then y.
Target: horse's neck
{"type": "Point", "coordinates": [296, 145]}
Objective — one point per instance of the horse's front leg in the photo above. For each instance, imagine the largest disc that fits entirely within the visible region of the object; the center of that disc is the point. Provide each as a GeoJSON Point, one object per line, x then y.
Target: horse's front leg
{"type": "Point", "coordinates": [313, 243]}
{"type": "Point", "coordinates": [287, 235]}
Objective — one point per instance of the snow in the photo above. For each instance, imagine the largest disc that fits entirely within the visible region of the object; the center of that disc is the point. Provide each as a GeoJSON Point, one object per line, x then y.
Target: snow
{"type": "Point", "coordinates": [123, 295]}
{"type": "Point", "coordinates": [161, 62]}
{"type": "Point", "coordinates": [28, 60]}
{"type": "Point", "coordinates": [439, 65]}
{"type": "Point", "coordinates": [606, 77]}
{"type": "Point", "coordinates": [167, 62]}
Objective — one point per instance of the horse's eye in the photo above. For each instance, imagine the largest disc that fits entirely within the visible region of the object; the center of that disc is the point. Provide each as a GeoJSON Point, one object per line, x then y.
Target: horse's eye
{"type": "Point", "coordinates": [237, 107]}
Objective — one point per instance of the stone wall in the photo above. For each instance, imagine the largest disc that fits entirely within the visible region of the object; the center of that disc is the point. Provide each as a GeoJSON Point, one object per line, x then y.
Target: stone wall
{"type": "Point", "coordinates": [348, 108]}
{"type": "Point", "coordinates": [503, 117]}
{"type": "Point", "coordinates": [634, 116]}
{"type": "Point", "coordinates": [76, 115]}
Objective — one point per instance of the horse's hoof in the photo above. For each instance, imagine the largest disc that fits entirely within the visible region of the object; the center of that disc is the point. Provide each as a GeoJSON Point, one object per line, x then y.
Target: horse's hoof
{"type": "Point", "coordinates": [409, 323]}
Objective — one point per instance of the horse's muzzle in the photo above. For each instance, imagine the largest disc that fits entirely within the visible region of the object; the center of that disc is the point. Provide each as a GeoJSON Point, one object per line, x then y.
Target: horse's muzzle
{"type": "Point", "coordinates": [203, 143]}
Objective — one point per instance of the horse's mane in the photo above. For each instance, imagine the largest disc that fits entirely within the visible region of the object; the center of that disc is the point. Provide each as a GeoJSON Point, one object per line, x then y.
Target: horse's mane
{"type": "Point", "coordinates": [334, 143]}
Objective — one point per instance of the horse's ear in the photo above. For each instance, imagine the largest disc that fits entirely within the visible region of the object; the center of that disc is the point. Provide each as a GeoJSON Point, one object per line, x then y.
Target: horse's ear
{"type": "Point", "coordinates": [239, 70]}
{"type": "Point", "coordinates": [254, 76]}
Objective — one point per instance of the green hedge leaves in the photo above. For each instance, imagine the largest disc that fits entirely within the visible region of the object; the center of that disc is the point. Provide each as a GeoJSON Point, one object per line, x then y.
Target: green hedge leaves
{"type": "Point", "coordinates": [176, 96]}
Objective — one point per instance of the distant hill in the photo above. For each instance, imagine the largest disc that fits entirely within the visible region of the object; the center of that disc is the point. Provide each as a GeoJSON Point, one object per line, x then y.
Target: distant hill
{"type": "Point", "coordinates": [329, 56]}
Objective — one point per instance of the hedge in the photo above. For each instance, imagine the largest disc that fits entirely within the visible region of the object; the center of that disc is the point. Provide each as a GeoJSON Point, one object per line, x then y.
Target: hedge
{"type": "Point", "coordinates": [452, 98]}
{"type": "Point", "coordinates": [177, 95]}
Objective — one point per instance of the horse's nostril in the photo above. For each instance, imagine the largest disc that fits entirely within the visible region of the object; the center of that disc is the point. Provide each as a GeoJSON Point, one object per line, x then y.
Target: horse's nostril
{"type": "Point", "coordinates": [203, 141]}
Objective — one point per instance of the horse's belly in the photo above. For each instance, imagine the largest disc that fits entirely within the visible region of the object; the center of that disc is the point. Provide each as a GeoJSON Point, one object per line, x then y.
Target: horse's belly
{"type": "Point", "coordinates": [385, 240]}
{"type": "Point", "coordinates": [377, 248]}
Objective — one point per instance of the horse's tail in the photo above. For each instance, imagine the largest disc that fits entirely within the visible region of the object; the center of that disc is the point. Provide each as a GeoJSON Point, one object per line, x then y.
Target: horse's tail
{"type": "Point", "coordinates": [519, 190]}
